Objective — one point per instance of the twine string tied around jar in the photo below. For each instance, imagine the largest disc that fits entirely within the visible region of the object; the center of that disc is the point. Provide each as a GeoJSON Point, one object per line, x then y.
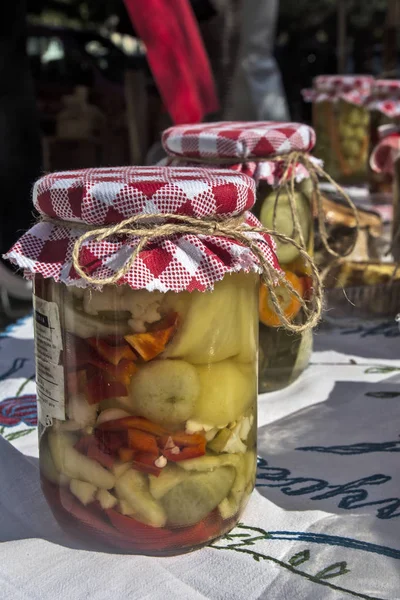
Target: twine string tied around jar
{"type": "Point", "coordinates": [149, 228]}
{"type": "Point", "coordinates": [287, 182]}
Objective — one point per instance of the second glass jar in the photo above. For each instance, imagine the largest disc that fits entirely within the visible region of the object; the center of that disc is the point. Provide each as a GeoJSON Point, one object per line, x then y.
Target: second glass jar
{"type": "Point", "coordinates": [283, 356]}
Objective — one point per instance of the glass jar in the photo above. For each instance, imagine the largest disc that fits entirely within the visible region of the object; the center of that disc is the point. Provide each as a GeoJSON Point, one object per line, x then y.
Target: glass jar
{"type": "Point", "coordinates": [157, 451]}
{"type": "Point", "coordinates": [341, 123]}
{"type": "Point", "coordinates": [379, 183]}
{"type": "Point", "coordinates": [342, 139]}
{"type": "Point", "coordinates": [395, 247]}
{"type": "Point", "coordinates": [384, 107]}
{"type": "Point", "coordinates": [283, 355]}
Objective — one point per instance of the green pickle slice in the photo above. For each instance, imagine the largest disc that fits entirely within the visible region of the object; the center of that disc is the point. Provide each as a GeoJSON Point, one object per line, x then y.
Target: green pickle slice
{"type": "Point", "coordinates": [284, 223]}
{"type": "Point", "coordinates": [194, 498]}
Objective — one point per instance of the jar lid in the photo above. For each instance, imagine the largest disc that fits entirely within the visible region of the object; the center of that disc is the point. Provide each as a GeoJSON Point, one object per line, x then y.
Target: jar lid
{"type": "Point", "coordinates": [331, 88]}
{"type": "Point", "coordinates": [74, 201]}
{"type": "Point", "coordinates": [241, 139]}
{"type": "Point", "coordinates": [235, 144]}
{"type": "Point", "coordinates": [385, 97]}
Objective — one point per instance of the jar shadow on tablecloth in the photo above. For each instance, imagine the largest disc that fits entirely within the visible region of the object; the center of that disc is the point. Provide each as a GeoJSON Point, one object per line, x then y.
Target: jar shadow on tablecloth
{"type": "Point", "coordinates": [339, 456]}
{"type": "Point", "coordinates": [24, 513]}
{"type": "Point", "coordinates": [373, 338]}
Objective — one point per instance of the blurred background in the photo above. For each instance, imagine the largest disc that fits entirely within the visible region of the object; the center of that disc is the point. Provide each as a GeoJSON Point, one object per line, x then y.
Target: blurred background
{"type": "Point", "coordinates": [89, 53]}
{"type": "Point", "coordinates": [89, 83]}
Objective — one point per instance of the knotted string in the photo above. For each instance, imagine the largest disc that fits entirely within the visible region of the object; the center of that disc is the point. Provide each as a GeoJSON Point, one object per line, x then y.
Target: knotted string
{"type": "Point", "coordinates": [287, 182]}
{"type": "Point", "coordinates": [147, 229]}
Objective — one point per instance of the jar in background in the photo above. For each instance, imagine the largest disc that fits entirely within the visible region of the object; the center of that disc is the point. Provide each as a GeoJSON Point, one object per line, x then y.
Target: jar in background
{"type": "Point", "coordinates": [292, 351]}
{"type": "Point", "coordinates": [341, 123]}
{"type": "Point", "coordinates": [255, 148]}
{"type": "Point", "coordinates": [147, 387]}
{"type": "Point", "coordinates": [384, 107]}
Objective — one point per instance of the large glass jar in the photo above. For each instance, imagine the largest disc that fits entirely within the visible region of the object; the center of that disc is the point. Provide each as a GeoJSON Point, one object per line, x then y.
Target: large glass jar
{"type": "Point", "coordinates": [284, 355]}
{"type": "Point", "coordinates": [341, 123]}
{"type": "Point", "coordinates": [146, 338]}
{"type": "Point", "coordinates": [157, 451]}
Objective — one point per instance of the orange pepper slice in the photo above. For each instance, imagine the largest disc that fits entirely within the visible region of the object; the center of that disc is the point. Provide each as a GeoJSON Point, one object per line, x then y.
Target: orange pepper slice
{"type": "Point", "coordinates": [143, 442]}
{"type": "Point", "coordinates": [181, 438]}
{"type": "Point", "coordinates": [289, 304]}
{"type": "Point", "coordinates": [112, 354]}
{"type": "Point", "coordinates": [152, 343]}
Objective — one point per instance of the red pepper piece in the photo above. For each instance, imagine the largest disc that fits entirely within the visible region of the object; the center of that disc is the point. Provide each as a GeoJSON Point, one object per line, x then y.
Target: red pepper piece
{"type": "Point", "coordinates": [144, 462]}
{"type": "Point", "coordinates": [83, 443]}
{"type": "Point", "coordinates": [150, 538]}
{"type": "Point", "coordinates": [98, 388]}
{"type": "Point", "coordinates": [141, 535]}
{"type": "Point", "coordinates": [143, 442]}
{"type": "Point", "coordinates": [126, 454]}
{"type": "Point", "coordinates": [180, 438]}
{"type": "Point", "coordinates": [124, 371]}
{"type": "Point", "coordinates": [134, 423]}
{"type": "Point", "coordinates": [111, 441]}
{"type": "Point", "coordinates": [112, 353]}
{"type": "Point", "coordinates": [308, 289]}
{"type": "Point", "coordinates": [185, 453]}
{"type": "Point", "coordinates": [151, 343]}
{"type": "Point", "coordinates": [94, 452]}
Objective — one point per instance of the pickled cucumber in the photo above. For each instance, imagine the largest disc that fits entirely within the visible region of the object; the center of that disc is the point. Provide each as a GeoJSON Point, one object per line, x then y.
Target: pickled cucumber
{"type": "Point", "coordinates": [242, 485]}
{"type": "Point", "coordinates": [133, 488]}
{"type": "Point", "coordinates": [165, 391]}
{"type": "Point", "coordinates": [168, 478]}
{"type": "Point", "coordinates": [75, 465]}
{"type": "Point", "coordinates": [284, 223]}
{"type": "Point", "coordinates": [193, 499]}
{"type": "Point", "coordinates": [85, 492]}
{"type": "Point", "coordinates": [210, 462]}
{"type": "Point", "coordinates": [351, 148]}
{"type": "Point", "coordinates": [48, 467]}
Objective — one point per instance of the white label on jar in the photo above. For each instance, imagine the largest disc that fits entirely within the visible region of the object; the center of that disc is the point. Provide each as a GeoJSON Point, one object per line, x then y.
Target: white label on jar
{"type": "Point", "coordinates": [49, 373]}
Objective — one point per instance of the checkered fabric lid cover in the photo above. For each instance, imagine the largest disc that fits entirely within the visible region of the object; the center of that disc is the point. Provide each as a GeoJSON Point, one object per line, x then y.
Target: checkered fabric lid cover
{"type": "Point", "coordinates": [243, 141]}
{"type": "Point", "coordinates": [354, 89]}
{"type": "Point", "coordinates": [100, 197]}
{"type": "Point", "coordinates": [385, 97]}
{"type": "Point", "coordinates": [387, 151]}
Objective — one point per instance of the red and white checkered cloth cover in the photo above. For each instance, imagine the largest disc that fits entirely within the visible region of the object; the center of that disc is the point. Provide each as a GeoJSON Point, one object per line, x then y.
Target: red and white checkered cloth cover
{"type": "Point", "coordinates": [385, 98]}
{"type": "Point", "coordinates": [99, 197]}
{"type": "Point", "coordinates": [354, 89]}
{"type": "Point", "coordinates": [387, 151]}
{"type": "Point", "coordinates": [242, 141]}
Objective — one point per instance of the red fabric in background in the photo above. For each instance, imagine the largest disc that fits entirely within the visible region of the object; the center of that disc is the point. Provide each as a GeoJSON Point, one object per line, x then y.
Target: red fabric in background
{"type": "Point", "coordinates": [176, 56]}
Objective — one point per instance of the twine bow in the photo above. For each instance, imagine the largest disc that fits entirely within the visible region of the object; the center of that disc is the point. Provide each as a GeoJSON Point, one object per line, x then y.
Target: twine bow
{"type": "Point", "coordinates": [143, 227]}
{"type": "Point", "coordinates": [287, 182]}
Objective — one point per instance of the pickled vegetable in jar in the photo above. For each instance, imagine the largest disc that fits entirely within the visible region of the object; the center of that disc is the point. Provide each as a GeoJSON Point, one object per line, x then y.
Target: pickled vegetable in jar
{"type": "Point", "coordinates": [384, 107]}
{"type": "Point", "coordinates": [341, 122]}
{"type": "Point", "coordinates": [255, 149]}
{"type": "Point", "coordinates": [146, 368]}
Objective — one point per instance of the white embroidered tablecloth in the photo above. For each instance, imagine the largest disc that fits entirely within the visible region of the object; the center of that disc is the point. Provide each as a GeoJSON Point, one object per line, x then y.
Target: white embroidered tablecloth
{"type": "Point", "coordinates": [323, 524]}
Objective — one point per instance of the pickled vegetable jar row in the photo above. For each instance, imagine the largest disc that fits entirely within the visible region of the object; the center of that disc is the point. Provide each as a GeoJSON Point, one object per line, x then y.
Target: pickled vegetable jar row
{"type": "Point", "coordinates": [156, 453]}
